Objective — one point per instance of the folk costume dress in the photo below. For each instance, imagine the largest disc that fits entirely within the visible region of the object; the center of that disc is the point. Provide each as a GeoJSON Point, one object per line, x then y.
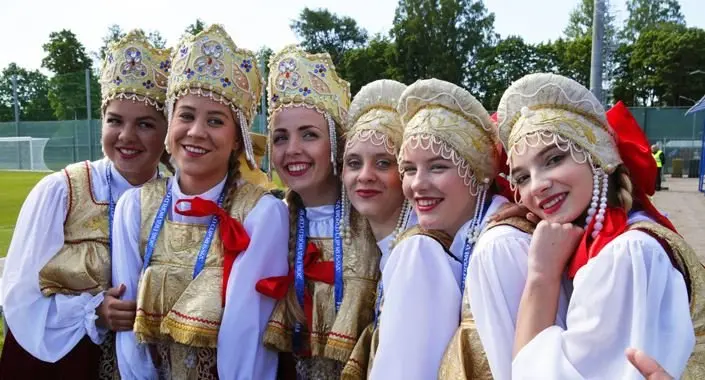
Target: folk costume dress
{"type": "Point", "coordinates": [192, 265]}
{"type": "Point", "coordinates": [634, 281]}
{"type": "Point", "coordinates": [332, 277]}
{"type": "Point", "coordinates": [59, 262]}
{"type": "Point", "coordinates": [422, 278]}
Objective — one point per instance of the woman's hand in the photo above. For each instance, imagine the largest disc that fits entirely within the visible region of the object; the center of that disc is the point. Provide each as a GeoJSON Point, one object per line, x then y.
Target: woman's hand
{"type": "Point", "coordinates": [115, 314]}
{"type": "Point", "coordinates": [647, 366]}
{"type": "Point", "coordinates": [510, 210]}
{"type": "Point", "coordinates": [552, 245]}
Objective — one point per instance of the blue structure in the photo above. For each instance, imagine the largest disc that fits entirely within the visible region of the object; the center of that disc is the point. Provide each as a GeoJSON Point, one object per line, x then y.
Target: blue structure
{"type": "Point", "coordinates": [700, 106]}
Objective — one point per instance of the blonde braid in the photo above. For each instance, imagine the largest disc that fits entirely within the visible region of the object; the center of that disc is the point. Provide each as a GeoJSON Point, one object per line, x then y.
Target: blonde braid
{"type": "Point", "coordinates": [294, 309]}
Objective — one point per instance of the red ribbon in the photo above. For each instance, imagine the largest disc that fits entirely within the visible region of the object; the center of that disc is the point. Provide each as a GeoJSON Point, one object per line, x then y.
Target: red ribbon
{"type": "Point", "coordinates": [233, 235]}
{"type": "Point", "coordinates": [636, 155]}
{"type": "Point", "coordinates": [314, 270]}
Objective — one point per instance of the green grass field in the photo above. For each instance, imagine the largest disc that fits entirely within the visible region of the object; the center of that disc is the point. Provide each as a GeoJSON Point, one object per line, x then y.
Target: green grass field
{"type": "Point", "coordinates": [14, 187]}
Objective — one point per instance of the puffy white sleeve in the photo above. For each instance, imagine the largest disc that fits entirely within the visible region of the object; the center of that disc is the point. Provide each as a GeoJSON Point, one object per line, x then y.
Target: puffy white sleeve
{"type": "Point", "coordinates": [241, 354]}
{"type": "Point", "coordinates": [421, 310]}
{"type": "Point", "coordinates": [630, 295]}
{"type": "Point", "coordinates": [134, 360]}
{"type": "Point", "coordinates": [495, 282]}
{"type": "Point", "coordinates": [46, 327]}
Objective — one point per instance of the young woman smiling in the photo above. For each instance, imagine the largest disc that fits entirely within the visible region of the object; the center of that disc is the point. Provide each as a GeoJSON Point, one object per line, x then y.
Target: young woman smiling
{"type": "Point", "coordinates": [59, 300]}
{"type": "Point", "coordinates": [589, 180]}
{"type": "Point", "coordinates": [448, 159]}
{"type": "Point", "coordinates": [328, 297]}
{"type": "Point", "coordinates": [373, 186]}
{"type": "Point", "coordinates": [198, 314]}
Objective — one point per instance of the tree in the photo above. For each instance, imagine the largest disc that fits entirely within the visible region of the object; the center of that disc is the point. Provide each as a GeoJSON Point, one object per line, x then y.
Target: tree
{"type": "Point", "coordinates": [115, 33]}
{"type": "Point", "coordinates": [196, 27]}
{"type": "Point", "coordinates": [263, 55]}
{"type": "Point", "coordinates": [370, 63]}
{"type": "Point", "coordinates": [32, 89]}
{"type": "Point", "coordinates": [646, 14]}
{"type": "Point", "coordinates": [441, 39]}
{"type": "Point", "coordinates": [65, 54]}
{"type": "Point", "coordinates": [322, 31]}
{"type": "Point", "coordinates": [156, 39]}
{"type": "Point", "coordinates": [67, 59]}
{"type": "Point", "coordinates": [661, 61]}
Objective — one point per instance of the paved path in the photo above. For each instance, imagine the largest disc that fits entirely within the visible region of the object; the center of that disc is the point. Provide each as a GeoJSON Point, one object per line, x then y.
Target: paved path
{"type": "Point", "coordinates": [685, 206]}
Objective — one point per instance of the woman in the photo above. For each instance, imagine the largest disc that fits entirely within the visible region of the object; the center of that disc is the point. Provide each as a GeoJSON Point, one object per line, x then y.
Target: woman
{"type": "Point", "coordinates": [574, 171]}
{"type": "Point", "coordinates": [191, 247]}
{"type": "Point", "coordinates": [328, 297]}
{"type": "Point", "coordinates": [59, 300]}
{"type": "Point", "coordinates": [372, 185]}
{"type": "Point", "coordinates": [448, 159]}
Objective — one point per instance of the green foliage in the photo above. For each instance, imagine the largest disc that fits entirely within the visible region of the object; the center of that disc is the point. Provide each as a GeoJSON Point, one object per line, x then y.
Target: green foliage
{"type": "Point", "coordinates": [196, 27]}
{"type": "Point", "coordinates": [32, 88]}
{"type": "Point", "coordinates": [368, 64]}
{"type": "Point", "coordinates": [322, 31]}
{"type": "Point", "coordinates": [441, 39]}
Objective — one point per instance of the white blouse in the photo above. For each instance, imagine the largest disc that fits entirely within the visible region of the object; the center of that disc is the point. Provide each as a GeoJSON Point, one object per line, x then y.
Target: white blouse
{"type": "Point", "coordinates": [241, 354]}
{"type": "Point", "coordinates": [50, 327]}
{"type": "Point", "coordinates": [630, 295]}
{"type": "Point", "coordinates": [422, 304]}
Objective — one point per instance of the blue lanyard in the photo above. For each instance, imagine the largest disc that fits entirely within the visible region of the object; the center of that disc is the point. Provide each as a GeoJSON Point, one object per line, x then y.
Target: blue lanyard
{"type": "Point", "coordinates": [111, 208]}
{"type": "Point", "coordinates": [467, 248]}
{"type": "Point", "coordinates": [299, 276]}
{"type": "Point", "coordinates": [159, 222]}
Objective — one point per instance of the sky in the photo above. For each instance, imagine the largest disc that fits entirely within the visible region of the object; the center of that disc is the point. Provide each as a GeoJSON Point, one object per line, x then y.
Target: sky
{"type": "Point", "coordinates": [26, 24]}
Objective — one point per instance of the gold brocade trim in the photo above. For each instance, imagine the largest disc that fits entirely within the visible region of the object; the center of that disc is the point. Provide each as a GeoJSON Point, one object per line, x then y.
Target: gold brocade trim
{"type": "Point", "coordinates": [83, 262]}
{"type": "Point", "coordinates": [441, 237]}
{"type": "Point", "coordinates": [689, 265]}
{"type": "Point", "coordinates": [108, 369]}
{"type": "Point", "coordinates": [519, 223]}
{"type": "Point", "coordinates": [179, 362]}
{"type": "Point", "coordinates": [172, 306]}
{"type": "Point", "coordinates": [360, 362]}
{"type": "Point", "coordinates": [334, 334]}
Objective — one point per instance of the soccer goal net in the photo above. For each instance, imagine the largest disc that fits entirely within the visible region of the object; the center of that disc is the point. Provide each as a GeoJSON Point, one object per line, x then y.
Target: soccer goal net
{"type": "Point", "coordinates": [22, 153]}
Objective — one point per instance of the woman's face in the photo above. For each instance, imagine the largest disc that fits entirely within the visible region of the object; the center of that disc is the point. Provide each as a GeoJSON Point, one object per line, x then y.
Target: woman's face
{"type": "Point", "coordinates": [433, 186]}
{"type": "Point", "coordinates": [301, 149]}
{"type": "Point", "coordinates": [202, 136]}
{"type": "Point", "coordinates": [133, 137]}
{"type": "Point", "coordinates": [551, 183]}
{"type": "Point", "coordinates": [371, 180]}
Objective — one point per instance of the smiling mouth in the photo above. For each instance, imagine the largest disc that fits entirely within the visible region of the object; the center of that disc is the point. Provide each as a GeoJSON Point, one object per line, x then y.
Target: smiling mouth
{"type": "Point", "coordinates": [553, 204]}
{"type": "Point", "coordinates": [128, 153]}
{"type": "Point", "coordinates": [427, 204]}
{"type": "Point", "coordinates": [297, 169]}
{"type": "Point", "coordinates": [195, 151]}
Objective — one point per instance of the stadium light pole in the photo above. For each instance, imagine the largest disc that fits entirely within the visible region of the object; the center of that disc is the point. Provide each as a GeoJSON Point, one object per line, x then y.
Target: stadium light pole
{"type": "Point", "coordinates": [598, 31]}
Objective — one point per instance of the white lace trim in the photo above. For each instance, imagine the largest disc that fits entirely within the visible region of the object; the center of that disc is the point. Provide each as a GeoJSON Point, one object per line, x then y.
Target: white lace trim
{"type": "Point", "coordinates": [134, 97]}
{"type": "Point", "coordinates": [375, 138]}
{"type": "Point", "coordinates": [440, 148]}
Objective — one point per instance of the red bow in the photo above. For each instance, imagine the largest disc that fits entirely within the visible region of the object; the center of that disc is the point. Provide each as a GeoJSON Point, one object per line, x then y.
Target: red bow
{"type": "Point", "coordinates": [314, 270]}
{"type": "Point", "coordinates": [233, 235]}
{"type": "Point", "coordinates": [636, 155]}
